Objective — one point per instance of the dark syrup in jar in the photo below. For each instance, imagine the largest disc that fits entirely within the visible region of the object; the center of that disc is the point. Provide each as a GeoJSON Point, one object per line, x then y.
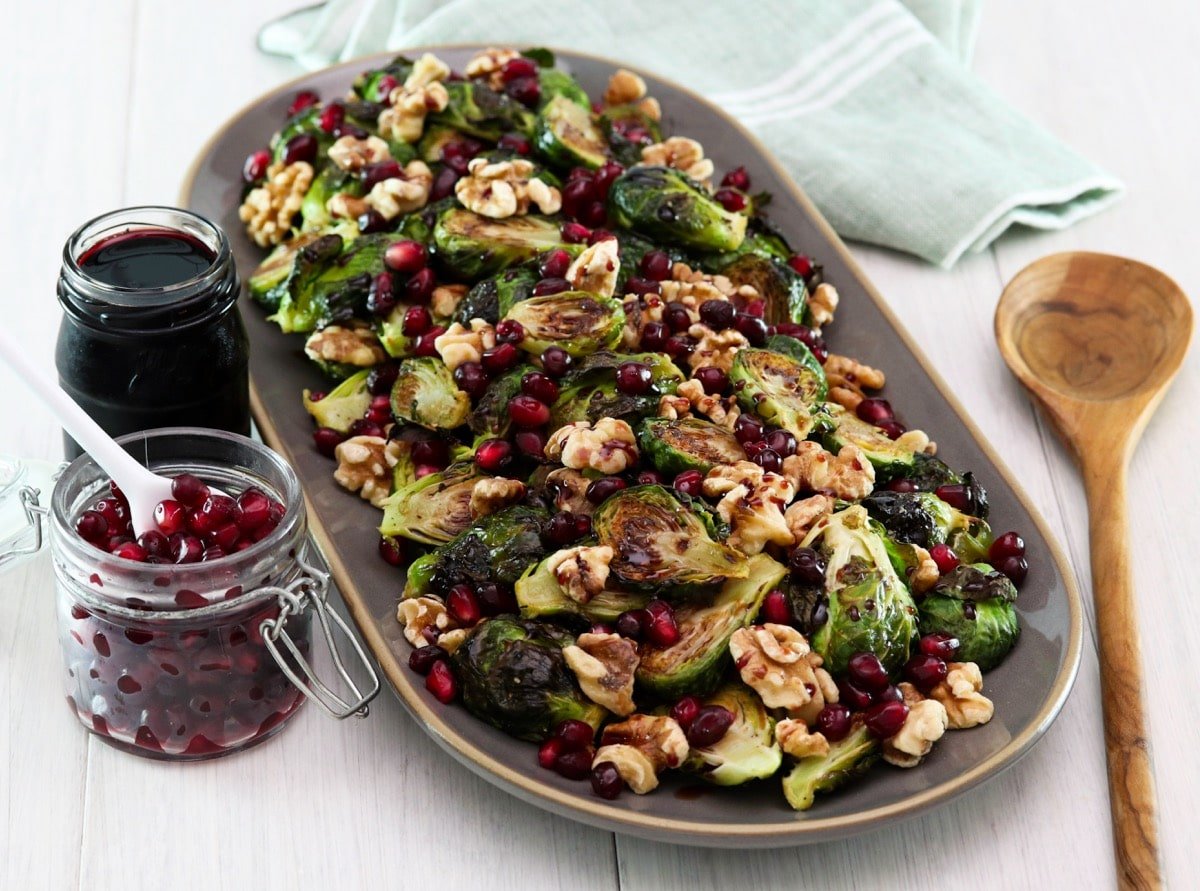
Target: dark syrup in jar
{"type": "Point", "coordinates": [147, 258]}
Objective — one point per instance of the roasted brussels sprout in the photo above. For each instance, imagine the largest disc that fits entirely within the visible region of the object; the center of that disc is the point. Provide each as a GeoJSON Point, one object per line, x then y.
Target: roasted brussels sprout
{"type": "Point", "coordinates": [578, 322]}
{"type": "Point", "coordinates": [425, 394]}
{"type": "Point", "coordinates": [986, 626]}
{"type": "Point", "coordinates": [390, 331]}
{"type": "Point", "coordinates": [628, 129]}
{"type": "Point", "coordinates": [367, 85]}
{"type": "Point", "coordinates": [748, 750]}
{"type": "Point", "coordinates": [513, 676]}
{"type": "Point", "coordinates": [541, 597]}
{"type": "Point", "coordinates": [478, 110]}
{"type": "Point", "coordinates": [662, 545]}
{"type": "Point", "coordinates": [975, 581]}
{"type": "Point", "coordinates": [556, 83]}
{"type": "Point", "coordinates": [331, 180]}
{"type": "Point", "coordinates": [921, 518]}
{"type": "Point", "coordinates": [433, 140]}
{"type": "Point", "coordinates": [696, 663]}
{"type": "Point", "coordinates": [783, 290]}
{"type": "Point", "coordinates": [888, 457]}
{"type": "Point", "coordinates": [687, 444]}
{"type": "Point", "coordinates": [306, 122]}
{"type": "Point", "coordinates": [781, 390]}
{"type": "Point", "coordinates": [848, 759]}
{"type": "Point", "coordinates": [566, 135]}
{"type": "Point", "coordinates": [662, 203]}
{"type": "Point", "coordinates": [470, 246]}
{"type": "Point", "coordinates": [590, 392]}
{"type": "Point", "coordinates": [870, 608]}
{"type": "Point", "coordinates": [491, 298]}
{"type": "Point", "coordinates": [268, 283]}
{"type": "Point", "coordinates": [433, 509]}
{"type": "Point", "coordinates": [343, 405]}
{"type": "Point", "coordinates": [489, 418]}
{"type": "Point", "coordinates": [321, 291]}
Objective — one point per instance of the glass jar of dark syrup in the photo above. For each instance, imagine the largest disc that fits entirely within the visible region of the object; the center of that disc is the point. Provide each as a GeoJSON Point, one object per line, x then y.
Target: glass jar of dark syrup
{"type": "Point", "coordinates": [151, 335]}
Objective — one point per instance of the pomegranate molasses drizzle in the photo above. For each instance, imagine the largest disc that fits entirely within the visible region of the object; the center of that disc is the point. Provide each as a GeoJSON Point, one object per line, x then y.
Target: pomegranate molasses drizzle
{"type": "Point", "coordinates": [151, 335]}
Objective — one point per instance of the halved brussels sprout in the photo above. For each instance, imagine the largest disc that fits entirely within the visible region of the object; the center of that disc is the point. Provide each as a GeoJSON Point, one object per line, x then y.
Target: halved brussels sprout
{"type": "Point", "coordinates": [491, 298]}
{"type": "Point", "coordinates": [321, 290]}
{"type": "Point", "coordinates": [425, 394]}
{"type": "Point", "coordinates": [975, 581]}
{"type": "Point", "coordinates": [330, 181]}
{"type": "Point", "coordinates": [590, 392]}
{"type": "Point", "coordinates": [696, 663]}
{"type": "Point", "coordinates": [268, 283]}
{"type": "Point", "coordinates": [489, 418]}
{"type": "Point", "coordinates": [986, 629]}
{"type": "Point", "coordinates": [433, 509]}
{"type": "Point", "coordinates": [541, 597]}
{"type": "Point", "coordinates": [557, 83]}
{"type": "Point", "coordinates": [921, 518]}
{"type": "Point", "coordinates": [367, 84]}
{"type": "Point", "coordinates": [687, 444]}
{"type": "Point", "coordinates": [497, 548]}
{"type": "Point", "coordinates": [783, 290]}
{"type": "Point", "coordinates": [390, 330]}
{"type": "Point", "coordinates": [478, 110]}
{"type": "Point", "coordinates": [848, 759]}
{"type": "Point", "coordinates": [779, 389]}
{"type": "Point", "coordinates": [662, 203]}
{"type": "Point", "coordinates": [748, 750]}
{"type": "Point", "coordinates": [661, 545]}
{"type": "Point", "coordinates": [870, 608]}
{"type": "Point", "coordinates": [889, 459]}
{"type": "Point", "coordinates": [471, 246]}
{"type": "Point", "coordinates": [512, 675]}
{"type": "Point", "coordinates": [343, 405]}
{"type": "Point", "coordinates": [578, 322]}
{"type": "Point", "coordinates": [567, 136]}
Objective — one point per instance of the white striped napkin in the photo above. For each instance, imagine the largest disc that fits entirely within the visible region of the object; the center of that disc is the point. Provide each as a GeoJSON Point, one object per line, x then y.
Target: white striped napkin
{"type": "Point", "coordinates": [866, 102]}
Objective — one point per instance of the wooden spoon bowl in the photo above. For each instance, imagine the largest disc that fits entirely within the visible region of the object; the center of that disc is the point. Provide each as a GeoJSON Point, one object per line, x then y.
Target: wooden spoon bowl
{"type": "Point", "coordinates": [1097, 339]}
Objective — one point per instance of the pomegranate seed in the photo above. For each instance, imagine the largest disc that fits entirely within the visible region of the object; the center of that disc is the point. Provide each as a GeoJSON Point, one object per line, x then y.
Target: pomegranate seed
{"type": "Point", "coordinates": [351, 130]}
{"type": "Point", "coordinates": [1015, 568]}
{"type": "Point", "coordinates": [390, 550]}
{"type": "Point", "coordinates": [709, 726]}
{"type": "Point", "coordinates": [471, 379]}
{"type": "Point", "coordinates": [495, 599]}
{"type": "Point", "coordinates": [91, 525]}
{"type": "Point", "coordinates": [256, 166]}
{"type": "Point", "coordinates": [801, 265]}
{"type": "Point", "coordinates": [604, 176]}
{"type": "Point", "coordinates": [893, 429]}
{"type": "Point", "coordinates": [713, 379]}
{"type": "Point", "coordinates": [833, 722]}
{"type": "Point", "coordinates": [781, 441]}
{"type": "Point", "coordinates": [768, 460]}
{"type": "Point", "coordinates": [945, 558]}
{"type": "Point", "coordinates": [302, 147]}
{"type": "Point", "coordinates": [599, 235]}
{"type": "Point", "coordinates": [956, 496]}
{"type": "Point", "coordinates": [417, 321]}
{"type": "Point", "coordinates": [500, 358]}
{"type": "Point", "coordinates": [561, 529]}
{"type": "Point", "coordinates": [384, 87]}
{"type": "Point", "coordinates": [875, 411]}
{"type": "Point", "coordinates": [677, 317]}
{"type": "Point", "coordinates": [215, 552]}
{"type": "Point", "coordinates": [654, 336]}
{"type": "Point", "coordinates": [574, 765]}
{"type": "Point", "coordinates": [925, 672]}
{"type": "Point", "coordinates": [939, 644]}
{"type": "Point", "coordinates": [515, 142]}
{"type": "Point", "coordinates": [426, 344]}
{"type": "Point", "coordinates": [154, 543]}
{"type": "Point", "coordinates": [554, 264]}
{"type": "Point", "coordinates": [685, 710]}
{"type": "Point", "coordinates": [492, 455]}
{"type": "Point", "coordinates": [853, 696]}
{"type": "Point", "coordinates": [302, 100]}
{"type": "Point", "coordinates": [225, 536]}
{"type": "Point", "coordinates": [807, 567]}
{"type": "Point", "coordinates": [556, 361]}
{"type": "Point", "coordinates": [594, 214]}
{"type": "Point", "coordinates": [662, 631]}
{"type": "Point", "coordinates": [885, 719]}
{"type": "Point", "coordinates": [549, 751]}
{"type": "Point", "coordinates": [531, 443]}
{"type": "Point", "coordinates": [1010, 544]}
{"type": "Point", "coordinates": [655, 265]}
{"type": "Point", "coordinates": [365, 427]}
{"type": "Point", "coordinates": [679, 347]}
{"type": "Point", "coordinates": [599, 491]}
{"type": "Point", "coordinates": [462, 605]}
{"type": "Point", "coordinates": [539, 386]}
{"type": "Point", "coordinates": [170, 516]}
{"type": "Point", "coordinates": [731, 199]}
{"type": "Point", "coordinates": [185, 548]}
{"type": "Point", "coordinates": [424, 470]}
{"type": "Point", "coordinates": [574, 233]}
{"type": "Point", "coordinates": [756, 308]}
{"type": "Point", "coordinates": [419, 288]}
{"type": "Point", "coordinates": [752, 328]}
{"type": "Point", "coordinates": [690, 482]}
{"type": "Point", "coordinates": [381, 299]}
{"type": "Point", "coordinates": [775, 608]}
{"type": "Point", "coordinates": [405, 256]}
{"type": "Point", "coordinates": [431, 451]}
{"type": "Point", "coordinates": [381, 379]}
{"type": "Point", "coordinates": [867, 672]}
{"type": "Point", "coordinates": [526, 411]}
{"type": "Point", "coordinates": [327, 439]}
{"type": "Point", "coordinates": [737, 178]}
{"type": "Point", "coordinates": [575, 735]}
{"type": "Point", "coordinates": [632, 623]}
{"type": "Point", "coordinates": [525, 90]}
{"type": "Point", "coordinates": [549, 286]}
{"type": "Point", "coordinates": [747, 428]}
{"type": "Point", "coordinates": [422, 659]}
{"type": "Point", "coordinates": [606, 780]}
{"type": "Point", "coordinates": [518, 67]}
{"type": "Point", "coordinates": [188, 489]}
{"type": "Point", "coordinates": [901, 486]}
{"type": "Point", "coordinates": [634, 378]}
{"type": "Point", "coordinates": [642, 286]}
{"type": "Point", "coordinates": [253, 510]}
{"type": "Point", "coordinates": [578, 192]}
{"type": "Point", "coordinates": [130, 551]}
{"type": "Point", "coordinates": [373, 174]}
{"type": "Point", "coordinates": [441, 683]}
{"type": "Point", "coordinates": [717, 314]}
{"type": "Point", "coordinates": [510, 331]}
{"type": "Point", "coordinates": [331, 117]}
{"type": "Point", "coordinates": [443, 184]}
{"type": "Point", "coordinates": [650, 478]}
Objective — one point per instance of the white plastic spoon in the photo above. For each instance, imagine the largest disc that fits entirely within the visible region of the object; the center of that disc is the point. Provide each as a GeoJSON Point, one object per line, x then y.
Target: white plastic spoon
{"type": "Point", "coordinates": [143, 489]}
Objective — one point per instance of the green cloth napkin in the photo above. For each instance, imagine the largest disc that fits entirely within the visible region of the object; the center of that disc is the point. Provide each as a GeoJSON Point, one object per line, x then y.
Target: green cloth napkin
{"type": "Point", "coordinates": [867, 103]}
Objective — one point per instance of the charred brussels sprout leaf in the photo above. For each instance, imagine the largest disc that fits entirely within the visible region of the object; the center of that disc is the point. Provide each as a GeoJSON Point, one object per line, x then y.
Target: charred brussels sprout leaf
{"type": "Point", "coordinates": [986, 629]}
{"type": "Point", "coordinates": [556, 83]}
{"type": "Point", "coordinates": [975, 581]}
{"type": "Point", "coordinates": [433, 509]}
{"type": "Point", "coordinates": [661, 545]}
{"type": "Point", "coordinates": [566, 135]}
{"type": "Point", "coordinates": [491, 298]}
{"type": "Point", "coordinates": [470, 246]}
{"type": "Point", "coordinates": [425, 394]}
{"type": "Point", "coordinates": [478, 110]}
{"type": "Point", "coordinates": [497, 548]}
{"type": "Point", "coordinates": [514, 677]}
{"type": "Point", "coordinates": [329, 283]}
{"type": "Point", "coordinates": [343, 405]}
{"type": "Point", "coordinates": [662, 203]}
{"type": "Point", "coordinates": [628, 130]}
{"type": "Point", "coordinates": [870, 608]}
{"type": "Point", "coordinates": [590, 392]}
{"type": "Point", "coordinates": [748, 750]}
{"type": "Point", "coordinates": [695, 664]}
{"type": "Point", "coordinates": [906, 517]}
{"type": "Point", "coordinates": [847, 760]}
{"type": "Point", "coordinates": [779, 389]}
{"type": "Point", "coordinates": [541, 597]}
{"type": "Point", "coordinates": [687, 444]}
{"type": "Point", "coordinates": [578, 322]}
{"type": "Point", "coordinates": [490, 417]}
{"type": "Point", "coordinates": [269, 282]}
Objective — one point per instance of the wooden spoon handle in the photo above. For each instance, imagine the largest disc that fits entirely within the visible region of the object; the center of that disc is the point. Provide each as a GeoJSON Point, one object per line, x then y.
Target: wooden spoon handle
{"type": "Point", "coordinates": [1130, 775]}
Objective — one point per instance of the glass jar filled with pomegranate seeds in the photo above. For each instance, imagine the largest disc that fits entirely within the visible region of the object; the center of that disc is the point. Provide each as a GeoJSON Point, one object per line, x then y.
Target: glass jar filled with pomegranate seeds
{"type": "Point", "coordinates": [197, 659]}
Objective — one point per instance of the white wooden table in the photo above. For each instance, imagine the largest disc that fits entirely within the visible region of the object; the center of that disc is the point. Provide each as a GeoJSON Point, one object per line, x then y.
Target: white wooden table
{"type": "Point", "coordinates": [103, 105]}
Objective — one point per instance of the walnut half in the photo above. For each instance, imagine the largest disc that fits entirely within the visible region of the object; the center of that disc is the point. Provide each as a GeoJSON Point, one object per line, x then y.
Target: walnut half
{"type": "Point", "coordinates": [604, 664]}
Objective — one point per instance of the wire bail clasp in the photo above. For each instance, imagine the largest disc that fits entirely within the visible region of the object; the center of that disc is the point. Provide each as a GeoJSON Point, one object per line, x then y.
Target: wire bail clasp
{"type": "Point", "coordinates": [34, 512]}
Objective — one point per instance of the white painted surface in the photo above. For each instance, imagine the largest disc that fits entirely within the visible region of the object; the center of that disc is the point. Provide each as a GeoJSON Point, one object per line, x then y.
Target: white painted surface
{"type": "Point", "coordinates": [104, 105]}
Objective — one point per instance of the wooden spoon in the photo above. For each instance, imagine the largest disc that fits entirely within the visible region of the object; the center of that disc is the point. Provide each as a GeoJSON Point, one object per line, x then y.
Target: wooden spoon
{"type": "Point", "coordinates": [1097, 340]}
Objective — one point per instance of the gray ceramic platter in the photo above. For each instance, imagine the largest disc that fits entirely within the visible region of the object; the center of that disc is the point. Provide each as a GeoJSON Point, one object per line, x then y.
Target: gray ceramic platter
{"type": "Point", "coordinates": [1028, 689]}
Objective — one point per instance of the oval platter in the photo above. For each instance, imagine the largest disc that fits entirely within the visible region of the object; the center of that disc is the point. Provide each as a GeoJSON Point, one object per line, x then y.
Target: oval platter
{"type": "Point", "coordinates": [1028, 689]}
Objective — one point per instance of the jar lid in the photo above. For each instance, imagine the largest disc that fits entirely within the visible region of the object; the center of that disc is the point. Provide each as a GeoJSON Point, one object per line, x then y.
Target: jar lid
{"type": "Point", "coordinates": [18, 535]}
